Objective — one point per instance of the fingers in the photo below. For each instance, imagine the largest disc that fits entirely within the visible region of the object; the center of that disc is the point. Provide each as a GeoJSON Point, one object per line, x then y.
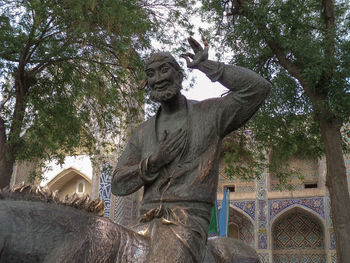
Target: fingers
{"type": "Point", "coordinates": [205, 42]}
{"type": "Point", "coordinates": [177, 147]}
{"type": "Point", "coordinates": [194, 45]}
{"type": "Point", "coordinates": [206, 45]}
{"type": "Point", "coordinates": [200, 53]}
{"type": "Point", "coordinates": [189, 55]}
{"type": "Point", "coordinates": [186, 57]}
{"type": "Point", "coordinates": [188, 61]}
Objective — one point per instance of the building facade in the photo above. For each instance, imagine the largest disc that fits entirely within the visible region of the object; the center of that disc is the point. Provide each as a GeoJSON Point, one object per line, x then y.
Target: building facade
{"type": "Point", "coordinates": [284, 225]}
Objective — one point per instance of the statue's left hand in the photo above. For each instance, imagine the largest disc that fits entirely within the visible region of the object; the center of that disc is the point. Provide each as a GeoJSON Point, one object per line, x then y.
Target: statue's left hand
{"type": "Point", "coordinates": [199, 55]}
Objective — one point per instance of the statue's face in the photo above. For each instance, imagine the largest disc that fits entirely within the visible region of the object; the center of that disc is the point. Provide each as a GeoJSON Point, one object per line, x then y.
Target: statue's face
{"type": "Point", "coordinates": [163, 80]}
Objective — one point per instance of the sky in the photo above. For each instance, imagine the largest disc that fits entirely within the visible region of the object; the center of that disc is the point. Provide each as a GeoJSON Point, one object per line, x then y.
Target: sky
{"type": "Point", "coordinates": [203, 87]}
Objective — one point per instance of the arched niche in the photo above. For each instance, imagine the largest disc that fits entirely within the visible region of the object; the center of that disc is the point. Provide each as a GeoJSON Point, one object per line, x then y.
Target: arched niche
{"type": "Point", "coordinates": [240, 227]}
{"type": "Point", "coordinates": [70, 181]}
{"type": "Point", "coordinates": [297, 235]}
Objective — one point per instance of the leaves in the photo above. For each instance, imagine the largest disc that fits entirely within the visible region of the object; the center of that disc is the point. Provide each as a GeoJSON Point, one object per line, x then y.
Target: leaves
{"type": "Point", "coordinates": [68, 70]}
{"type": "Point", "coordinates": [296, 46]}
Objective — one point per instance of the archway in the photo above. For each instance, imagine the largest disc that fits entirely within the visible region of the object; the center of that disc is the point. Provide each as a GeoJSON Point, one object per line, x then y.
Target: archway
{"type": "Point", "coordinates": [70, 181]}
{"type": "Point", "coordinates": [298, 236]}
{"type": "Point", "coordinates": [240, 227]}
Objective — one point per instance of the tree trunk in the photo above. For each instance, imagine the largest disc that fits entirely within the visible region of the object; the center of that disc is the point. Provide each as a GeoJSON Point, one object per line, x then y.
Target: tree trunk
{"type": "Point", "coordinates": [6, 165]}
{"type": "Point", "coordinates": [9, 143]}
{"type": "Point", "coordinates": [6, 168]}
{"type": "Point", "coordinates": [336, 181]}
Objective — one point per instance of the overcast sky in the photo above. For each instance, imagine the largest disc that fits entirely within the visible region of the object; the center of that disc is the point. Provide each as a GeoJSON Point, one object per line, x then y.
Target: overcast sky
{"type": "Point", "coordinates": [203, 87]}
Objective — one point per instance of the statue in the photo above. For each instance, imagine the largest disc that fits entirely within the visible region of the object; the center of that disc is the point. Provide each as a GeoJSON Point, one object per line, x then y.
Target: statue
{"type": "Point", "coordinates": [174, 155]}
{"type": "Point", "coordinates": [35, 226]}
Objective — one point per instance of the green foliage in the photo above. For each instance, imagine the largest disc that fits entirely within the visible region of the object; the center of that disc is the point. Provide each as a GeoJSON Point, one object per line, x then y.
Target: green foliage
{"type": "Point", "coordinates": [74, 66]}
{"type": "Point", "coordinates": [290, 44]}
{"type": "Point", "coordinates": [243, 160]}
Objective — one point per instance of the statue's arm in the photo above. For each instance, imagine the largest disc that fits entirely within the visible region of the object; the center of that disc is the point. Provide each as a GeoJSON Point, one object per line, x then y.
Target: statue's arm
{"type": "Point", "coordinates": [247, 91]}
{"type": "Point", "coordinates": [126, 178]}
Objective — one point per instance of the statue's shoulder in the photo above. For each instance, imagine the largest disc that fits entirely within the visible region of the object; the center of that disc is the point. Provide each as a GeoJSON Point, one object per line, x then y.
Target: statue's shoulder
{"type": "Point", "coordinates": [204, 104]}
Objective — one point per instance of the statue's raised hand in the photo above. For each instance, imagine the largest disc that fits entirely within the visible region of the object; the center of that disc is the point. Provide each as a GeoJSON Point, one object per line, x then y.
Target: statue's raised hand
{"type": "Point", "coordinates": [200, 53]}
{"type": "Point", "coordinates": [167, 150]}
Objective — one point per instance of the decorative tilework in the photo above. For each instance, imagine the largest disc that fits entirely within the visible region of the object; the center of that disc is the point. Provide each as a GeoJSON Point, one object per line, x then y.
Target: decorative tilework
{"type": "Point", "coordinates": [245, 227]}
{"type": "Point", "coordinates": [104, 192]}
{"type": "Point", "coordinates": [278, 187]}
{"type": "Point", "coordinates": [315, 204]}
{"type": "Point", "coordinates": [262, 212]}
{"type": "Point", "coordinates": [246, 206]}
{"type": "Point", "coordinates": [332, 239]}
{"type": "Point", "coordinates": [245, 188]}
{"type": "Point", "coordinates": [262, 239]}
{"type": "Point", "coordinates": [263, 257]}
{"type": "Point", "coordinates": [125, 209]}
{"type": "Point", "coordinates": [297, 237]}
{"type": "Point", "coordinates": [287, 258]}
{"type": "Point", "coordinates": [328, 206]}
{"type": "Point", "coordinates": [118, 209]}
{"type": "Point", "coordinates": [297, 231]}
{"type": "Point", "coordinates": [334, 258]}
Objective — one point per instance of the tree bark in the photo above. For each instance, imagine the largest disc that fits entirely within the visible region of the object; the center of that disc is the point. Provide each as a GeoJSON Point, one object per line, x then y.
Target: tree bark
{"type": "Point", "coordinates": [5, 164]}
{"type": "Point", "coordinates": [9, 143]}
{"type": "Point", "coordinates": [6, 169]}
{"type": "Point", "coordinates": [336, 181]}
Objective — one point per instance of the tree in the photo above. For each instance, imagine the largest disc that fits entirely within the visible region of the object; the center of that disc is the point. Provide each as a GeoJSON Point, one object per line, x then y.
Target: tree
{"type": "Point", "coordinates": [64, 64]}
{"type": "Point", "coordinates": [303, 48]}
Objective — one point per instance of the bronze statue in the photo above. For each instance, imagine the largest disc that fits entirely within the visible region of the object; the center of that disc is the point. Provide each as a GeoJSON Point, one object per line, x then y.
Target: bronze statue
{"type": "Point", "coordinates": [174, 155]}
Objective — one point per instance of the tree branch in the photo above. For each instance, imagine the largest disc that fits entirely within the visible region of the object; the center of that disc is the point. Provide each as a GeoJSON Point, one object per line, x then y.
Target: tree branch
{"type": "Point", "coordinates": [3, 103]}
{"type": "Point", "coordinates": [7, 57]}
{"type": "Point", "coordinates": [42, 65]}
{"type": "Point", "coordinates": [23, 58]}
{"type": "Point", "coordinates": [2, 135]}
{"type": "Point", "coordinates": [41, 37]}
{"type": "Point", "coordinates": [327, 73]}
{"type": "Point", "coordinates": [278, 51]}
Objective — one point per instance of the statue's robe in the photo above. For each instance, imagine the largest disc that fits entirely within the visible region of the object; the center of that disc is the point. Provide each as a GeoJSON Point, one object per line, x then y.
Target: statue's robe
{"type": "Point", "coordinates": [176, 205]}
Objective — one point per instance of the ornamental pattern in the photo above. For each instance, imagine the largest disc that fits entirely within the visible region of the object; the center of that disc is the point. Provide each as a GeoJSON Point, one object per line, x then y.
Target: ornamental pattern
{"type": "Point", "coordinates": [245, 188]}
{"type": "Point", "coordinates": [246, 206]}
{"type": "Point", "coordinates": [315, 204]}
{"type": "Point", "coordinates": [298, 237]}
{"type": "Point", "coordinates": [104, 192]}
{"type": "Point", "coordinates": [245, 227]}
{"type": "Point", "coordinates": [262, 238]}
{"type": "Point", "coordinates": [118, 209]}
{"type": "Point", "coordinates": [328, 204]}
{"type": "Point", "coordinates": [332, 240]}
{"type": "Point", "coordinates": [297, 231]}
{"type": "Point", "coordinates": [263, 257]}
{"type": "Point", "coordinates": [295, 186]}
{"type": "Point", "coordinates": [334, 258]}
{"type": "Point", "coordinates": [262, 212]}
{"type": "Point", "coordinates": [313, 258]}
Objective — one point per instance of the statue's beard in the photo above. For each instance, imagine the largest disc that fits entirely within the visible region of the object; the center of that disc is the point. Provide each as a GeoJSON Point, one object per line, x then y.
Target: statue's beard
{"type": "Point", "coordinates": [164, 95]}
